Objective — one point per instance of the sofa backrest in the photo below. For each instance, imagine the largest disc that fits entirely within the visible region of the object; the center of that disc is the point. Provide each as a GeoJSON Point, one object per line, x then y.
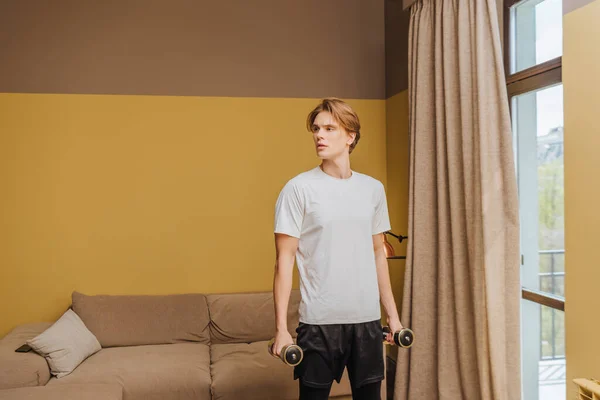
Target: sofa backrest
{"type": "Point", "coordinates": [131, 320]}
{"type": "Point", "coordinates": [247, 317]}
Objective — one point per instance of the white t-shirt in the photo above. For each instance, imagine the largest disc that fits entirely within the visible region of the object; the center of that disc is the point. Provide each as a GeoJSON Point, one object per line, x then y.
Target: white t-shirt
{"type": "Point", "coordinates": [335, 220]}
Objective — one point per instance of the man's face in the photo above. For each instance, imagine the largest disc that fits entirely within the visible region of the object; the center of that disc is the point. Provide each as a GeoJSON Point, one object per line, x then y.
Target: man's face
{"type": "Point", "coordinates": [331, 140]}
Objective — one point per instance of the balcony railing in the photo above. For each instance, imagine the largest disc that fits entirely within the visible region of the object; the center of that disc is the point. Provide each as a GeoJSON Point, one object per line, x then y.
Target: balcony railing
{"type": "Point", "coordinates": [552, 281]}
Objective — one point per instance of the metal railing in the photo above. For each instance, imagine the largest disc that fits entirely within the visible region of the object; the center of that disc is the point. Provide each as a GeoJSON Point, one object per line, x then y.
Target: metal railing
{"type": "Point", "coordinates": [549, 283]}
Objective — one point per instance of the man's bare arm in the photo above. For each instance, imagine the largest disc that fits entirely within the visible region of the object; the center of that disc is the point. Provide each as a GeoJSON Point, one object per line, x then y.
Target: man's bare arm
{"type": "Point", "coordinates": [285, 247]}
{"type": "Point", "coordinates": [385, 287]}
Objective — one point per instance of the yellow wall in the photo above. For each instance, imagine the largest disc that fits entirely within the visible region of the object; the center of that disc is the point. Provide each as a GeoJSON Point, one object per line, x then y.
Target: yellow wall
{"type": "Point", "coordinates": [149, 194]}
{"type": "Point", "coordinates": [581, 63]}
{"type": "Point", "coordinates": [397, 188]}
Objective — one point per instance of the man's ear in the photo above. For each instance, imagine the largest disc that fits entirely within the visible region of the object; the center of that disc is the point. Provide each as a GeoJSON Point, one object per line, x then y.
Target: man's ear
{"type": "Point", "coordinates": [351, 137]}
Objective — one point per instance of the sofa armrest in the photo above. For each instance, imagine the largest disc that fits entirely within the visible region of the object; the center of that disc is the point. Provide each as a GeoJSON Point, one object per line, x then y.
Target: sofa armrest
{"type": "Point", "coordinates": [22, 369]}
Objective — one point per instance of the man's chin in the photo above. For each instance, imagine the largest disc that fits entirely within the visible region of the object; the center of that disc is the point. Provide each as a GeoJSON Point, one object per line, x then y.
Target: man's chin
{"type": "Point", "coordinates": [327, 155]}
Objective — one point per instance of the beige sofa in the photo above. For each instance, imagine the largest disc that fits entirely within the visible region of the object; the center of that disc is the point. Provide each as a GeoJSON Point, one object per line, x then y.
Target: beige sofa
{"type": "Point", "coordinates": [184, 346]}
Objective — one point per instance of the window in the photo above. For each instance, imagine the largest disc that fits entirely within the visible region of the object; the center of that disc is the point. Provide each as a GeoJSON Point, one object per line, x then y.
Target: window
{"type": "Point", "coordinates": [536, 30]}
{"type": "Point", "coordinates": [533, 62]}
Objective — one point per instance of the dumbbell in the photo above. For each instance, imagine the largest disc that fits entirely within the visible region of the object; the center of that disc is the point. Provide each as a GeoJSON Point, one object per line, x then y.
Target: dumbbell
{"type": "Point", "coordinates": [291, 354]}
{"type": "Point", "coordinates": [403, 338]}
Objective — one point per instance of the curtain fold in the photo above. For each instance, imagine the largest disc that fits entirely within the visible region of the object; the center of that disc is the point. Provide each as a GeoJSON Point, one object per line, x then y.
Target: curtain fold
{"type": "Point", "coordinates": [462, 282]}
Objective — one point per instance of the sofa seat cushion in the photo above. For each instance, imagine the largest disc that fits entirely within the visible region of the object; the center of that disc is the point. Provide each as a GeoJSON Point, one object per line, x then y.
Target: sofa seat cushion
{"type": "Point", "coordinates": [248, 371]}
{"type": "Point", "coordinates": [22, 369]}
{"type": "Point", "coordinates": [171, 371]}
{"type": "Point", "coordinates": [65, 392]}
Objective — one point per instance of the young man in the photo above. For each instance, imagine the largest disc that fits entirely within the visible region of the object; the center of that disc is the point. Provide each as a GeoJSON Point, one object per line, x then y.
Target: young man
{"type": "Point", "coordinates": [331, 220]}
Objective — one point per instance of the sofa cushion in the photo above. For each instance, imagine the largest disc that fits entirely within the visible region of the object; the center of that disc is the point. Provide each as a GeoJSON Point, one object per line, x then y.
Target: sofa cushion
{"type": "Point", "coordinates": [247, 317]}
{"type": "Point", "coordinates": [65, 344]}
{"type": "Point", "coordinates": [130, 320]}
{"type": "Point", "coordinates": [65, 392]}
{"type": "Point", "coordinates": [22, 369]}
{"type": "Point", "coordinates": [155, 372]}
{"type": "Point", "coordinates": [248, 371]}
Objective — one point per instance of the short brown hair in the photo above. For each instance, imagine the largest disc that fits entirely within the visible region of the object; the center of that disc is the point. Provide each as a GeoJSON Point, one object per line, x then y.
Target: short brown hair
{"type": "Point", "coordinates": [341, 112]}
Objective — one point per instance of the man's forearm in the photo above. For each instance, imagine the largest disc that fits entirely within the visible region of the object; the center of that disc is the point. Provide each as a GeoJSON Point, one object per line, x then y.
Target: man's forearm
{"type": "Point", "coordinates": [282, 288]}
{"type": "Point", "coordinates": [385, 287]}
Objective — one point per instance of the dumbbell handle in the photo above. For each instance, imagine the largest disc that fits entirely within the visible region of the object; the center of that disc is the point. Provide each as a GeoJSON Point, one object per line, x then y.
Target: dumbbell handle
{"type": "Point", "coordinates": [403, 338]}
{"type": "Point", "coordinates": [291, 354]}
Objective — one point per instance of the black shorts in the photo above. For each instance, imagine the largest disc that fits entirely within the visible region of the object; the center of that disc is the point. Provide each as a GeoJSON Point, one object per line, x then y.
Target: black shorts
{"type": "Point", "coordinates": [328, 349]}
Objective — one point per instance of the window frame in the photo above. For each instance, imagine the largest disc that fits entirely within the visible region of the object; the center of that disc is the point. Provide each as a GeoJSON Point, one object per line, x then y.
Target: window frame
{"type": "Point", "coordinates": [532, 78]}
{"type": "Point", "coordinates": [536, 77]}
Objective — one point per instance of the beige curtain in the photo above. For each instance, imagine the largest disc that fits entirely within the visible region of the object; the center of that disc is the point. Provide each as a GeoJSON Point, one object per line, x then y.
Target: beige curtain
{"type": "Point", "coordinates": [462, 285]}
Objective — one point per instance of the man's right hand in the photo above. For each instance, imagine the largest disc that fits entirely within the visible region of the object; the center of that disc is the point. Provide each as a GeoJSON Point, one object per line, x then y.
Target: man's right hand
{"type": "Point", "coordinates": [286, 247]}
{"type": "Point", "coordinates": [281, 339]}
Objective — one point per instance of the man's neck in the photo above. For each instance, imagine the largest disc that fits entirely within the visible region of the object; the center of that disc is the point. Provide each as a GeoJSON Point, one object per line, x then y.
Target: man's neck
{"type": "Point", "coordinates": [339, 168]}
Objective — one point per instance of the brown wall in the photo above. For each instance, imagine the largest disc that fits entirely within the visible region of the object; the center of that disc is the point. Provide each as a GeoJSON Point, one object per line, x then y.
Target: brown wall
{"type": "Point", "coordinates": [262, 48]}
{"type": "Point", "coordinates": [396, 48]}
